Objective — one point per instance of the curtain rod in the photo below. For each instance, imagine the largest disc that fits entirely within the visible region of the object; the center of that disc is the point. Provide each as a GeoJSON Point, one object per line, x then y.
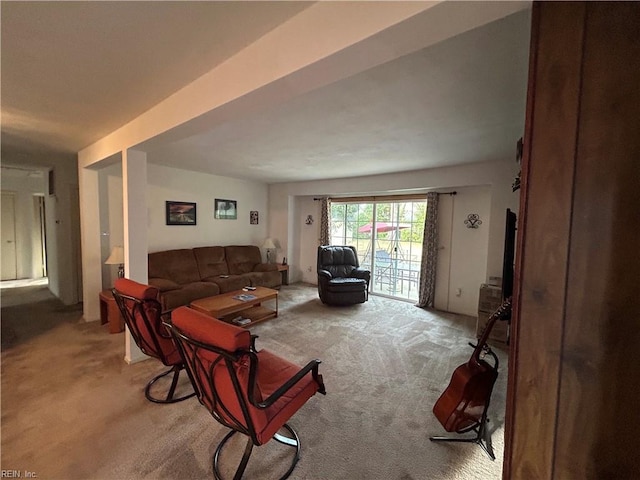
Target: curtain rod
{"type": "Point", "coordinates": [338, 198]}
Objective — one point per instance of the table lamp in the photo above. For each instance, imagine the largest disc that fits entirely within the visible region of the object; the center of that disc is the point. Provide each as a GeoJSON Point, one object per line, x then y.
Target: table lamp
{"type": "Point", "coordinates": [117, 258]}
{"type": "Point", "coordinates": [268, 245]}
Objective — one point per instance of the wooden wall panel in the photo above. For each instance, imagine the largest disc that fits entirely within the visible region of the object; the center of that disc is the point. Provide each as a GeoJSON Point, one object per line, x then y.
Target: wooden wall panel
{"type": "Point", "coordinates": [574, 381]}
{"type": "Point", "coordinates": [521, 228]}
{"type": "Point", "coordinates": [598, 419]}
{"type": "Point", "coordinates": [545, 237]}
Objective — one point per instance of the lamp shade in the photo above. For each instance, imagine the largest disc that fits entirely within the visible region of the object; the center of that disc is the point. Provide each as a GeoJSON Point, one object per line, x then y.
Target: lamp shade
{"type": "Point", "coordinates": [116, 257]}
{"type": "Point", "coordinates": [268, 244]}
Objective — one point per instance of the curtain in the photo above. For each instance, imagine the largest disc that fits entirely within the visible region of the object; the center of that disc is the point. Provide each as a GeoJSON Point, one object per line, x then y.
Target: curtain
{"type": "Point", "coordinates": [426, 293]}
{"type": "Point", "coordinates": [325, 216]}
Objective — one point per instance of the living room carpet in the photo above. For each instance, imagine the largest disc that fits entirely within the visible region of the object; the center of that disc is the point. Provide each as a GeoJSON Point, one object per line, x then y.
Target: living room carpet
{"type": "Point", "coordinates": [72, 409]}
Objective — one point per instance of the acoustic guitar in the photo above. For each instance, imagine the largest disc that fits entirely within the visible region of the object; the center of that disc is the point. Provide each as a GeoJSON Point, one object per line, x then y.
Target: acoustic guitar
{"type": "Point", "coordinates": [462, 406]}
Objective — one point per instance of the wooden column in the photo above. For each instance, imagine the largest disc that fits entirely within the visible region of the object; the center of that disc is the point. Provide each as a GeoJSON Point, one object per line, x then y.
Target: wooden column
{"type": "Point", "coordinates": [574, 377]}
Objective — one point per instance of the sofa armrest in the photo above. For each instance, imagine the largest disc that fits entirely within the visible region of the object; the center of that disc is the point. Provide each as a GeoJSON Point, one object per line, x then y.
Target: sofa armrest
{"type": "Point", "coordinates": [164, 284]}
{"type": "Point", "coordinates": [265, 267]}
{"type": "Point", "coordinates": [361, 273]}
{"type": "Point", "coordinates": [324, 275]}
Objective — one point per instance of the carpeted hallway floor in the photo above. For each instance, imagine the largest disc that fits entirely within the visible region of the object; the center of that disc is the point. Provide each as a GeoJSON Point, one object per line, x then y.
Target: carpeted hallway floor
{"type": "Point", "coordinates": [72, 409]}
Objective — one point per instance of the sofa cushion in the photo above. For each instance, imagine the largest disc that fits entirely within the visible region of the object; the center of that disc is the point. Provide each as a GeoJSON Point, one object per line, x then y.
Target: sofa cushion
{"type": "Point", "coordinates": [164, 284]}
{"type": "Point", "coordinates": [187, 294]}
{"type": "Point", "coordinates": [229, 283]}
{"type": "Point", "coordinates": [242, 258]}
{"type": "Point", "coordinates": [211, 262]}
{"type": "Point", "coordinates": [271, 279]}
{"type": "Point", "coordinates": [184, 275]}
{"type": "Point", "coordinates": [177, 265]}
{"type": "Point", "coordinates": [346, 285]}
{"type": "Point", "coordinates": [266, 267]}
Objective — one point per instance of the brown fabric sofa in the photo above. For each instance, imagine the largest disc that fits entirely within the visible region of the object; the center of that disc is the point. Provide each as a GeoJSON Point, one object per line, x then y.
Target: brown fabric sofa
{"type": "Point", "coordinates": [185, 275]}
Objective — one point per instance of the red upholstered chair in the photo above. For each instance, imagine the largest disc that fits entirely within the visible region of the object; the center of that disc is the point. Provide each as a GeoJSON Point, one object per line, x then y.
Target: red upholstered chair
{"type": "Point", "coordinates": [251, 392]}
{"type": "Point", "coordinates": [143, 315]}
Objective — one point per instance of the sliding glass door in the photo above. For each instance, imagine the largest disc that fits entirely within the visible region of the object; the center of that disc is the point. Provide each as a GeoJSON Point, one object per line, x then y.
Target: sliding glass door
{"type": "Point", "coordinates": [388, 238]}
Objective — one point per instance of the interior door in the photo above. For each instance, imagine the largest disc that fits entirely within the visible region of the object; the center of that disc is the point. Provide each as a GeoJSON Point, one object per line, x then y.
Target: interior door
{"type": "Point", "coordinates": [9, 264]}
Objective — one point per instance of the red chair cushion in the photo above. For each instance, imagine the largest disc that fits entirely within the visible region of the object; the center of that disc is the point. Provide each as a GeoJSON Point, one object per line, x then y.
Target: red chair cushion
{"type": "Point", "coordinates": [210, 331]}
{"type": "Point", "coordinates": [136, 290]}
{"type": "Point", "coordinates": [144, 336]}
{"type": "Point", "coordinates": [211, 369]}
{"type": "Point", "coordinates": [272, 372]}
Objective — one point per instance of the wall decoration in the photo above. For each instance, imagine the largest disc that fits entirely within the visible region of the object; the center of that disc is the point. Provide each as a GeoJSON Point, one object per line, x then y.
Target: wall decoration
{"type": "Point", "coordinates": [473, 220]}
{"type": "Point", "coordinates": [253, 217]}
{"type": "Point", "coordinates": [52, 183]}
{"type": "Point", "coordinates": [309, 220]}
{"type": "Point", "coordinates": [181, 213]}
{"type": "Point", "coordinates": [226, 209]}
{"type": "Point", "coordinates": [519, 152]}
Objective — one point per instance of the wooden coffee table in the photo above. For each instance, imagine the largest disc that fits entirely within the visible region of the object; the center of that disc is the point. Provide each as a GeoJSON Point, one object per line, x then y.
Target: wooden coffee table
{"type": "Point", "coordinates": [226, 307]}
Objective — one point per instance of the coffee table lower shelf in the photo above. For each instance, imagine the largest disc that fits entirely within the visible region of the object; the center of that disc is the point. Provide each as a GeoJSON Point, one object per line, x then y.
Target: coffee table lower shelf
{"type": "Point", "coordinates": [256, 314]}
{"type": "Point", "coordinates": [227, 307]}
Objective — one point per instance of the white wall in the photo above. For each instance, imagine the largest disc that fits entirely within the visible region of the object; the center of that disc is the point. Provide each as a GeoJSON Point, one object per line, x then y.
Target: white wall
{"type": "Point", "coordinates": [309, 236]}
{"type": "Point", "coordinates": [111, 218]}
{"type": "Point", "coordinates": [462, 254]}
{"type": "Point", "coordinates": [475, 256]}
{"type": "Point", "coordinates": [165, 183]}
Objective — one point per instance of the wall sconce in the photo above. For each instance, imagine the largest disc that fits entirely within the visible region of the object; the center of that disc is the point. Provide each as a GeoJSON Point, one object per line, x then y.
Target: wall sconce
{"type": "Point", "coordinates": [473, 220]}
{"type": "Point", "coordinates": [309, 220]}
{"type": "Point", "coordinates": [117, 258]}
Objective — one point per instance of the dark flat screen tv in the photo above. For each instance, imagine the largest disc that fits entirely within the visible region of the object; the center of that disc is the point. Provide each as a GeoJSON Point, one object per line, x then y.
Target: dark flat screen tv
{"type": "Point", "coordinates": [509, 254]}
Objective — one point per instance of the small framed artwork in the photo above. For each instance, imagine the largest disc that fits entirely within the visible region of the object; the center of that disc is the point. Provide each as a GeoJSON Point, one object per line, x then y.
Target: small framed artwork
{"type": "Point", "coordinates": [253, 217]}
{"type": "Point", "coordinates": [226, 209]}
{"type": "Point", "coordinates": [181, 213]}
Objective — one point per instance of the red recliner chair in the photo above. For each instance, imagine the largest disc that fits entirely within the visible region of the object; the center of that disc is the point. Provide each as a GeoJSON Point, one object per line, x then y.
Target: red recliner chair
{"type": "Point", "coordinates": [143, 315]}
{"type": "Point", "coordinates": [251, 392]}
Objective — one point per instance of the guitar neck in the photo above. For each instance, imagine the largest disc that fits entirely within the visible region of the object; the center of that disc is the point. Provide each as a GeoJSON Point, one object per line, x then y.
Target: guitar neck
{"type": "Point", "coordinates": [500, 312]}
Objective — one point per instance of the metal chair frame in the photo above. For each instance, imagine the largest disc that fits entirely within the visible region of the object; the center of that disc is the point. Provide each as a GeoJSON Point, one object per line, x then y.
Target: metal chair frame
{"type": "Point", "coordinates": [154, 349]}
{"type": "Point", "coordinates": [197, 370]}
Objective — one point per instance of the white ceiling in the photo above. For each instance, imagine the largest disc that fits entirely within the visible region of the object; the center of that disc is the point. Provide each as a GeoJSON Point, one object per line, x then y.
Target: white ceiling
{"type": "Point", "coordinates": [72, 72]}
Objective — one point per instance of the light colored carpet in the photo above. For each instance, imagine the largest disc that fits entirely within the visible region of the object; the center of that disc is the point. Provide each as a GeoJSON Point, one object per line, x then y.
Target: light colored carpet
{"type": "Point", "coordinates": [72, 409]}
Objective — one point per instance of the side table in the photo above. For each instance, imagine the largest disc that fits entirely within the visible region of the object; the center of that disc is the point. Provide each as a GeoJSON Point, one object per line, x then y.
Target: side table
{"type": "Point", "coordinates": [284, 271]}
{"type": "Point", "coordinates": [109, 312]}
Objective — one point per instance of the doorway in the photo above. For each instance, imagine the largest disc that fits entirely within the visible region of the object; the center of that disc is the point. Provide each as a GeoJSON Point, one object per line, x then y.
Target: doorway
{"type": "Point", "coordinates": [9, 258]}
{"type": "Point", "coordinates": [39, 238]}
{"type": "Point", "coordinates": [387, 235]}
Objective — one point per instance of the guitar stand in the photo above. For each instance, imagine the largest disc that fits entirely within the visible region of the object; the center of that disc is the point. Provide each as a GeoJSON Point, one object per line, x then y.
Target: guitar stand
{"type": "Point", "coordinates": [479, 428]}
{"type": "Point", "coordinates": [481, 433]}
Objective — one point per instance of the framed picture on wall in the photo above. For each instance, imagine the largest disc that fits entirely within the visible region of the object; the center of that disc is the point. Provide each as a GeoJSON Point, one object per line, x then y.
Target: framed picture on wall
{"type": "Point", "coordinates": [180, 213]}
{"type": "Point", "coordinates": [226, 209]}
{"type": "Point", "coordinates": [253, 217]}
